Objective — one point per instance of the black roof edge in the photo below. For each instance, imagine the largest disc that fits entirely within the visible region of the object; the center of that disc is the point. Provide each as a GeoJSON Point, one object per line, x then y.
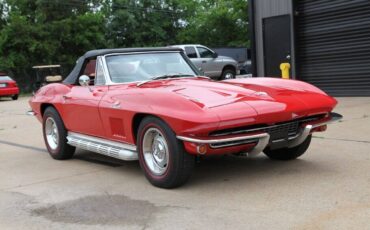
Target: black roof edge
{"type": "Point", "coordinates": [73, 76]}
{"type": "Point", "coordinates": [100, 52]}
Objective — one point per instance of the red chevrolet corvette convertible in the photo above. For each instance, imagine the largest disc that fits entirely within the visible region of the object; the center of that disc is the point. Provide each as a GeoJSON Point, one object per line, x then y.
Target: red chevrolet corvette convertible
{"type": "Point", "coordinates": [153, 105]}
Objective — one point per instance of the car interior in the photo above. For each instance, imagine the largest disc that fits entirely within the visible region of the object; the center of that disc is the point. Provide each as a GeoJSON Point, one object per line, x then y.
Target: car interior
{"type": "Point", "coordinates": [90, 70]}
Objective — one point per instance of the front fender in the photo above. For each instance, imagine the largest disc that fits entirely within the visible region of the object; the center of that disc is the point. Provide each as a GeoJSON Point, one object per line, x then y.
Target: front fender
{"type": "Point", "coordinates": [49, 94]}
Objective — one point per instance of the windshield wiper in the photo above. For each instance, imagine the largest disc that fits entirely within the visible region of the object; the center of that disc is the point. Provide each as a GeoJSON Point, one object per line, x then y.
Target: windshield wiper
{"type": "Point", "coordinates": [170, 76]}
{"type": "Point", "coordinates": [165, 76]}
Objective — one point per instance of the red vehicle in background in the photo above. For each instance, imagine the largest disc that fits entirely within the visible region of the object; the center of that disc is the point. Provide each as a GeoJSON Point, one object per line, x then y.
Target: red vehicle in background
{"type": "Point", "coordinates": [8, 87]}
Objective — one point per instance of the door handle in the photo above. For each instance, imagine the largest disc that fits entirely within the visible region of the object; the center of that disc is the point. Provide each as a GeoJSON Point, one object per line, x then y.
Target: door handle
{"type": "Point", "coordinates": [204, 61]}
{"type": "Point", "coordinates": [97, 92]}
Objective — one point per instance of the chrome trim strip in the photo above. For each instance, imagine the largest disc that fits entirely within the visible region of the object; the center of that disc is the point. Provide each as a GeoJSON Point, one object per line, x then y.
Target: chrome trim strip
{"type": "Point", "coordinates": [114, 149]}
{"type": "Point", "coordinates": [108, 80]}
{"type": "Point", "coordinates": [229, 144]}
{"type": "Point", "coordinates": [102, 63]}
{"type": "Point", "coordinates": [213, 141]}
{"type": "Point", "coordinates": [103, 141]}
{"type": "Point", "coordinates": [289, 139]}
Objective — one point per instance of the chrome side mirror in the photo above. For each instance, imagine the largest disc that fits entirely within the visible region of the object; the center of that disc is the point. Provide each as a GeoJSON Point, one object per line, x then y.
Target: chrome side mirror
{"type": "Point", "coordinates": [84, 80]}
{"type": "Point", "coordinates": [201, 70]}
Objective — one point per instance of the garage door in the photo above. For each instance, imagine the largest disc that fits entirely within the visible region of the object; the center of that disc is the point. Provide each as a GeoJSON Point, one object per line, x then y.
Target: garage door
{"type": "Point", "coordinates": [333, 45]}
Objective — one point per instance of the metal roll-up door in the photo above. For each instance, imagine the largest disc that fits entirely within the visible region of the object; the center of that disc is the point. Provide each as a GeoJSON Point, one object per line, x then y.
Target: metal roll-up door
{"type": "Point", "coordinates": [333, 45]}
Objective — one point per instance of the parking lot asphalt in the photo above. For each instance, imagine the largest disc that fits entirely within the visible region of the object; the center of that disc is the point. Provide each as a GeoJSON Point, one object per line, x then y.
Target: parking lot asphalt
{"type": "Point", "coordinates": [327, 188]}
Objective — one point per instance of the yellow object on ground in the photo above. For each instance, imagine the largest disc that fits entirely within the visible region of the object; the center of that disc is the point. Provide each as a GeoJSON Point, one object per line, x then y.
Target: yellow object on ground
{"type": "Point", "coordinates": [285, 68]}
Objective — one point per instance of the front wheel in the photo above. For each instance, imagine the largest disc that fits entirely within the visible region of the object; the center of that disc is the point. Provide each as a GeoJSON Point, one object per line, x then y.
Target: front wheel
{"type": "Point", "coordinates": [55, 135]}
{"type": "Point", "coordinates": [162, 156]}
{"type": "Point", "coordinates": [228, 74]}
{"type": "Point", "coordinates": [289, 153]}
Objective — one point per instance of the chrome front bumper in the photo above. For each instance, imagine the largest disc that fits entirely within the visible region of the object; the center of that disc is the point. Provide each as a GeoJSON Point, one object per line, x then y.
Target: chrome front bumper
{"type": "Point", "coordinates": [262, 139]}
{"type": "Point", "coordinates": [30, 113]}
{"type": "Point", "coordinates": [306, 130]}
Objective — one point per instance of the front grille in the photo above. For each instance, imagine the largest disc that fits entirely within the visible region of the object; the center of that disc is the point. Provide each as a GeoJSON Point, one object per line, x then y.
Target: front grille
{"type": "Point", "coordinates": [283, 130]}
{"type": "Point", "coordinates": [278, 131]}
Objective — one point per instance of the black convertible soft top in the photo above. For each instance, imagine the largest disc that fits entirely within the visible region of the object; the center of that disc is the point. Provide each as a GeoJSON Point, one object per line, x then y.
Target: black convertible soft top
{"type": "Point", "coordinates": [73, 76]}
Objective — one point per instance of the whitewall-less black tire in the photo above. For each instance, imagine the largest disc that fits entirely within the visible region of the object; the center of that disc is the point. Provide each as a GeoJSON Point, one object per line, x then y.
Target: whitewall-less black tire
{"type": "Point", "coordinates": [55, 135]}
{"type": "Point", "coordinates": [286, 154]}
{"type": "Point", "coordinates": [162, 156]}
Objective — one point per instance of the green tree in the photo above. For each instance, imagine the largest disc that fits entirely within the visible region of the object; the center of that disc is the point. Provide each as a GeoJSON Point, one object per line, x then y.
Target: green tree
{"type": "Point", "coordinates": [58, 31]}
{"type": "Point", "coordinates": [3, 12]}
{"type": "Point", "coordinates": [45, 32]}
{"type": "Point", "coordinates": [135, 23]}
{"type": "Point", "coordinates": [218, 23]}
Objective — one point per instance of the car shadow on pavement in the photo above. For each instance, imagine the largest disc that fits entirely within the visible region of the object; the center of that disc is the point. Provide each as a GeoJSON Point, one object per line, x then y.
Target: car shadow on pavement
{"type": "Point", "coordinates": [96, 158]}
{"type": "Point", "coordinates": [220, 169]}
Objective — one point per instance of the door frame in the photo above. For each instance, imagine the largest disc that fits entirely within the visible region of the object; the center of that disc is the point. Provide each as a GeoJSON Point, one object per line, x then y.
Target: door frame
{"type": "Point", "coordinates": [292, 56]}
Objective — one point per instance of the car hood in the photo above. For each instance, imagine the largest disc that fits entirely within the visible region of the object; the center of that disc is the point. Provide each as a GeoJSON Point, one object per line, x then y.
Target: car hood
{"type": "Point", "coordinates": [254, 100]}
{"type": "Point", "coordinates": [225, 58]}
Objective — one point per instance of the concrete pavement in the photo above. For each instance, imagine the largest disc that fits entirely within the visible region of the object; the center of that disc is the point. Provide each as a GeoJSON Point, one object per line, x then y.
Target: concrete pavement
{"type": "Point", "coordinates": [327, 188]}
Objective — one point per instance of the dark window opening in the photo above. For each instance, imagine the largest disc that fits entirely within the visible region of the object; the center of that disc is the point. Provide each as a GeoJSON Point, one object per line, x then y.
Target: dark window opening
{"type": "Point", "coordinates": [190, 52]}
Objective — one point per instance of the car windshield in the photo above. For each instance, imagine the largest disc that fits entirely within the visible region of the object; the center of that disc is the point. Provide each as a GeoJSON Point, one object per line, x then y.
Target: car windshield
{"type": "Point", "coordinates": [5, 78]}
{"type": "Point", "coordinates": [147, 66]}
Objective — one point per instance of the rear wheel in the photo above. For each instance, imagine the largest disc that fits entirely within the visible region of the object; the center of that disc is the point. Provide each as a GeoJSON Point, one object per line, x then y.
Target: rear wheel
{"type": "Point", "coordinates": [289, 153]}
{"type": "Point", "coordinates": [55, 135]}
{"type": "Point", "coordinates": [15, 97]}
{"type": "Point", "coordinates": [162, 156]}
{"type": "Point", "coordinates": [228, 74]}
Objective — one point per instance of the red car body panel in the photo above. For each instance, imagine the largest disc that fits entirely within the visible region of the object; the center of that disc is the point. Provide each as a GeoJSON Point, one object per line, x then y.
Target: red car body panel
{"type": "Point", "coordinates": [10, 88]}
{"type": "Point", "coordinates": [190, 106]}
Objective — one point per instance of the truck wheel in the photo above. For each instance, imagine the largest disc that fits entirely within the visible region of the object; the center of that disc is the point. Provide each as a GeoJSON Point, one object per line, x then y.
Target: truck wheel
{"type": "Point", "coordinates": [162, 156]}
{"type": "Point", "coordinates": [228, 74]}
{"type": "Point", "coordinates": [15, 97]}
{"type": "Point", "coordinates": [55, 135]}
{"type": "Point", "coordinates": [289, 153]}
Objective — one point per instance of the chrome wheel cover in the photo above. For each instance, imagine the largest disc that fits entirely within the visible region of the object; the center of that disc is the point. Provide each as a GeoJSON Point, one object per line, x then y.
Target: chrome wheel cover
{"type": "Point", "coordinates": [229, 76]}
{"type": "Point", "coordinates": [155, 151]}
{"type": "Point", "coordinates": [51, 133]}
